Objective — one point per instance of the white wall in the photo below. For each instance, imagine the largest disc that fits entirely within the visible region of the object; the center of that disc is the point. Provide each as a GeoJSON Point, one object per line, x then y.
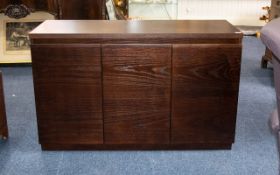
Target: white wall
{"type": "Point", "coordinates": [238, 12]}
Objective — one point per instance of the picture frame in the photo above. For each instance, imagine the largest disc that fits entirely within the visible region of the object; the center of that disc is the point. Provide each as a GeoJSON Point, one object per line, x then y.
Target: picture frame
{"type": "Point", "coordinates": [14, 39]}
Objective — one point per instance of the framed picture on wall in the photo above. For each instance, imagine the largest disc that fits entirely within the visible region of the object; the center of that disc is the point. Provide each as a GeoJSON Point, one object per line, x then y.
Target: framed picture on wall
{"type": "Point", "coordinates": [14, 38]}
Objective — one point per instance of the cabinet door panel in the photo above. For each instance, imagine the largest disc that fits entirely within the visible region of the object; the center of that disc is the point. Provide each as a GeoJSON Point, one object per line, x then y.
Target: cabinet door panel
{"type": "Point", "coordinates": [137, 87]}
{"type": "Point", "coordinates": [205, 92]}
{"type": "Point", "coordinates": [68, 93]}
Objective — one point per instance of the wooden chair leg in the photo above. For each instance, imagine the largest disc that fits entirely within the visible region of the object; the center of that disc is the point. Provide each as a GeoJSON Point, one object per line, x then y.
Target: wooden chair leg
{"type": "Point", "coordinates": [264, 63]}
{"type": "Point", "coordinates": [266, 58]}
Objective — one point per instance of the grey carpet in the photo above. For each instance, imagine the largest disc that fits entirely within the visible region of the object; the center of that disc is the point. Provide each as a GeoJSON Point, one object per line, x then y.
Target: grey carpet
{"type": "Point", "coordinates": [254, 152]}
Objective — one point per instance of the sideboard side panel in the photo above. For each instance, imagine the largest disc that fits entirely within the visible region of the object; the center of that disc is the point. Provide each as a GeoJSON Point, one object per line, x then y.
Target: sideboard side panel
{"type": "Point", "coordinates": [137, 86]}
{"type": "Point", "coordinates": [68, 93]}
{"type": "Point", "coordinates": [205, 93]}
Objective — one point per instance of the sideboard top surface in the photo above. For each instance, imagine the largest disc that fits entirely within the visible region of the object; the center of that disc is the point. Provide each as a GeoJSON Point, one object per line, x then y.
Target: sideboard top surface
{"type": "Point", "coordinates": [124, 29]}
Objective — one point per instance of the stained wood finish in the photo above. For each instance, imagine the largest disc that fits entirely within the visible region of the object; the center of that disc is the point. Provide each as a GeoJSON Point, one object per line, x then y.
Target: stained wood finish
{"type": "Point", "coordinates": [3, 119]}
{"type": "Point", "coordinates": [136, 82]}
{"type": "Point", "coordinates": [67, 80]}
{"type": "Point", "coordinates": [85, 9]}
{"type": "Point", "coordinates": [134, 29]}
{"type": "Point", "coordinates": [205, 91]}
{"type": "Point", "coordinates": [136, 32]}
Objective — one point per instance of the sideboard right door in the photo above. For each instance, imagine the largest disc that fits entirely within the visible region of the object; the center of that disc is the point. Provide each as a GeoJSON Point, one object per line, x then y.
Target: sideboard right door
{"type": "Point", "coordinates": [204, 93]}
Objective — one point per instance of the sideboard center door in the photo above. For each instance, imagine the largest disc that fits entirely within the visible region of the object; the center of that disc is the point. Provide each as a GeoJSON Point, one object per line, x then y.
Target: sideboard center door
{"type": "Point", "coordinates": [137, 86]}
{"type": "Point", "coordinates": [67, 79]}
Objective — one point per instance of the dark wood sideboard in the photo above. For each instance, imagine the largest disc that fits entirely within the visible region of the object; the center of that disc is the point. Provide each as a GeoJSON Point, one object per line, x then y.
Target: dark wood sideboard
{"type": "Point", "coordinates": [136, 84]}
{"type": "Point", "coordinates": [3, 119]}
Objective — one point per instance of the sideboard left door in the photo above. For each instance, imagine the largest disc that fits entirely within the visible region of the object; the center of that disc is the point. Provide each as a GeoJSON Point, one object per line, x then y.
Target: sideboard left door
{"type": "Point", "coordinates": [68, 93]}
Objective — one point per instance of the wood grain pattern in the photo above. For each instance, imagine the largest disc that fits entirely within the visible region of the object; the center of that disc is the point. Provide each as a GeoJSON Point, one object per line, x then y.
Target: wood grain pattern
{"type": "Point", "coordinates": [67, 80]}
{"type": "Point", "coordinates": [205, 91]}
{"type": "Point", "coordinates": [136, 82]}
{"type": "Point", "coordinates": [3, 119]}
